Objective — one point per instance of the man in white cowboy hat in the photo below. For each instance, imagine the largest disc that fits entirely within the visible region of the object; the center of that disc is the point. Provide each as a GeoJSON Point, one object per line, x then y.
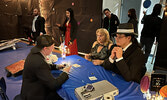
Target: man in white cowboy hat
{"type": "Point", "coordinates": [127, 58]}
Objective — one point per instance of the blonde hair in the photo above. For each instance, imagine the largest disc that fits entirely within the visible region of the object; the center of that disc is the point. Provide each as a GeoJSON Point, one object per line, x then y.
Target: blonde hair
{"type": "Point", "coordinates": [103, 31]}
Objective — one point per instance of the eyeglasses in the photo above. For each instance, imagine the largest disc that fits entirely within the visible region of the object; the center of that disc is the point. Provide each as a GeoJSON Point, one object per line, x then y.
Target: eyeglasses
{"type": "Point", "coordinates": [119, 37]}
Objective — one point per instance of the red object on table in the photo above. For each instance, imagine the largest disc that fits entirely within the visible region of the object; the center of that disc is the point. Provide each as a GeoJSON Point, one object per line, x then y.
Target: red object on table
{"type": "Point", "coordinates": [144, 84]}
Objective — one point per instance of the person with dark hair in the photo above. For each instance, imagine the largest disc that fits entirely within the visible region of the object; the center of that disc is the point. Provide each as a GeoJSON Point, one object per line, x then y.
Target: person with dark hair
{"type": "Point", "coordinates": [151, 29]}
{"type": "Point", "coordinates": [70, 27]}
{"type": "Point", "coordinates": [38, 26]}
{"type": "Point", "coordinates": [133, 19]}
{"type": "Point", "coordinates": [38, 81]}
{"type": "Point", "coordinates": [127, 58]}
{"type": "Point", "coordinates": [110, 22]}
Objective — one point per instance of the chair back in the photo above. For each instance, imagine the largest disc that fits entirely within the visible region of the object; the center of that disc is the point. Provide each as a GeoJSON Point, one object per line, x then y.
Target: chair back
{"type": "Point", "coordinates": [3, 95]}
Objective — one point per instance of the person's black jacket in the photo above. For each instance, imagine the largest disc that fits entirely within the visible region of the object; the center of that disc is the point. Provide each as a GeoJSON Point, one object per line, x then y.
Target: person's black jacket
{"type": "Point", "coordinates": [40, 25]}
{"type": "Point", "coordinates": [38, 80]}
{"type": "Point", "coordinates": [131, 67]}
{"type": "Point", "coordinates": [114, 22]}
{"type": "Point", "coordinates": [152, 26]}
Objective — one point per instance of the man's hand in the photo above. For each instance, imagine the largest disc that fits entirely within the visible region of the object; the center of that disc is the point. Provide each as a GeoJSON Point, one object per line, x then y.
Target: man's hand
{"type": "Point", "coordinates": [67, 69]}
{"type": "Point", "coordinates": [116, 52]}
{"type": "Point", "coordinates": [41, 33]}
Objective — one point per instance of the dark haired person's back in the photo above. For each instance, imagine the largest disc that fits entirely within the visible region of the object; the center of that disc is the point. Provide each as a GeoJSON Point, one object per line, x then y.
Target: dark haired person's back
{"type": "Point", "coordinates": [151, 29]}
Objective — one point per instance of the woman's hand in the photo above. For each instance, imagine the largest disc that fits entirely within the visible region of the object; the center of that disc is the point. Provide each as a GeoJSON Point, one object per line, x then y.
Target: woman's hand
{"type": "Point", "coordinates": [70, 43]}
{"type": "Point", "coordinates": [87, 56]}
{"type": "Point", "coordinates": [97, 62]}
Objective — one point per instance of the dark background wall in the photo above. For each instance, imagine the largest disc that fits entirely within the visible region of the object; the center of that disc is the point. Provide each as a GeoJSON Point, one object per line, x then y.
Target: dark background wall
{"type": "Point", "coordinates": [16, 15]}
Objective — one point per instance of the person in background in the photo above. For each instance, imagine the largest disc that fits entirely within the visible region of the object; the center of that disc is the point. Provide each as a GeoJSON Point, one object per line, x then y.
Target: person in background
{"type": "Point", "coordinates": [127, 58]}
{"type": "Point", "coordinates": [133, 19]}
{"type": "Point", "coordinates": [38, 81]}
{"type": "Point", "coordinates": [38, 26]}
{"type": "Point", "coordinates": [27, 31]}
{"type": "Point", "coordinates": [101, 47]}
{"type": "Point", "coordinates": [151, 29]}
{"type": "Point", "coordinates": [70, 27]}
{"type": "Point", "coordinates": [110, 22]}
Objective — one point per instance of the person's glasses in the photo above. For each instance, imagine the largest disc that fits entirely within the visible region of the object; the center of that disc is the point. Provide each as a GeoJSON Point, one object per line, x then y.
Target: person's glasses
{"type": "Point", "coordinates": [119, 37]}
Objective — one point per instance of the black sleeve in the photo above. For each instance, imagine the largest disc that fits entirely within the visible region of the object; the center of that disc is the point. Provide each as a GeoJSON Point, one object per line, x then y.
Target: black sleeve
{"type": "Point", "coordinates": [47, 79]}
{"type": "Point", "coordinates": [74, 28]}
{"type": "Point", "coordinates": [105, 23]}
{"type": "Point", "coordinates": [134, 69]}
{"type": "Point", "coordinates": [53, 66]}
{"type": "Point", "coordinates": [42, 25]}
{"type": "Point", "coordinates": [116, 18]}
{"type": "Point", "coordinates": [62, 28]}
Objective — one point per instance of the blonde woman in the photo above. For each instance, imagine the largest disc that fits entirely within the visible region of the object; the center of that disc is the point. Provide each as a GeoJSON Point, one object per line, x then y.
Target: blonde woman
{"type": "Point", "coordinates": [101, 47]}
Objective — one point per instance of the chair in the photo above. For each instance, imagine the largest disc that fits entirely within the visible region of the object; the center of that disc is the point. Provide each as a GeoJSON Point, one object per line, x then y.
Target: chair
{"type": "Point", "coordinates": [17, 97]}
{"type": "Point", "coordinates": [3, 95]}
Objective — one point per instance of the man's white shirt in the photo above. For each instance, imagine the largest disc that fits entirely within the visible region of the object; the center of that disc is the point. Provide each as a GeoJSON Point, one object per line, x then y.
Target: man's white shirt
{"type": "Point", "coordinates": [33, 24]}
